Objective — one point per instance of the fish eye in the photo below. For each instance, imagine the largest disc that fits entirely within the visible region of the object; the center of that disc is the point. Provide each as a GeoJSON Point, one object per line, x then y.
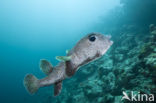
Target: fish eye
{"type": "Point", "coordinates": [92, 38]}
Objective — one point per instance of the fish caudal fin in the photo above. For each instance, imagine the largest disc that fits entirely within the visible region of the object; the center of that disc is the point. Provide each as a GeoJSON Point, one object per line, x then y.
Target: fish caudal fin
{"type": "Point", "coordinates": [31, 83]}
{"type": "Point", "coordinates": [46, 66]}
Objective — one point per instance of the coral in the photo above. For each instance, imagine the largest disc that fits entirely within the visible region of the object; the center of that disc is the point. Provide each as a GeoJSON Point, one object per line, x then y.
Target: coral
{"type": "Point", "coordinates": [152, 28]}
{"type": "Point", "coordinates": [130, 65]}
{"type": "Point", "coordinates": [151, 59]}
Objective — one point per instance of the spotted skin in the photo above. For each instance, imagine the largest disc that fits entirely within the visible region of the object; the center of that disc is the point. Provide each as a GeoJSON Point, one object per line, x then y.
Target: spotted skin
{"type": "Point", "coordinates": [89, 48]}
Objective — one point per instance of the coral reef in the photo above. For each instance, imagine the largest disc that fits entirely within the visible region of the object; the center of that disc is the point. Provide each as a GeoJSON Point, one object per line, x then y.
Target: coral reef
{"type": "Point", "coordinates": [130, 65]}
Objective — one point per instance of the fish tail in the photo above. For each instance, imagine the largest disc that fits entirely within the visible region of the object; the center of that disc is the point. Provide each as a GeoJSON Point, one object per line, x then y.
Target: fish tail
{"type": "Point", "coordinates": [31, 83]}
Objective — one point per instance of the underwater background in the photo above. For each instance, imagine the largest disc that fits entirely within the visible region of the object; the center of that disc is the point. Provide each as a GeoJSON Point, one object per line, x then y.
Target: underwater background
{"type": "Point", "coordinates": [42, 29]}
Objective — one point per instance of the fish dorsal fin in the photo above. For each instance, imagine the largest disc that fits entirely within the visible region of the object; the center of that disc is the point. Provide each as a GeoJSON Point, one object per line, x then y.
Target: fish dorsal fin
{"type": "Point", "coordinates": [46, 66]}
{"type": "Point", "coordinates": [57, 88]}
{"type": "Point", "coordinates": [67, 51]}
{"type": "Point", "coordinates": [63, 58]}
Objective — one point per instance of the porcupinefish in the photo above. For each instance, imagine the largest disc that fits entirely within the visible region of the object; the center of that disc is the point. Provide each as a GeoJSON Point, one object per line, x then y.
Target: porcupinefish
{"type": "Point", "coordinates": [89, 48]}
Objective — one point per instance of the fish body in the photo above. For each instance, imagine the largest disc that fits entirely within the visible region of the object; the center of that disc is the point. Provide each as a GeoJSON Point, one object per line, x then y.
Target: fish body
{"type": "Point", "coordinates": [89, 48]}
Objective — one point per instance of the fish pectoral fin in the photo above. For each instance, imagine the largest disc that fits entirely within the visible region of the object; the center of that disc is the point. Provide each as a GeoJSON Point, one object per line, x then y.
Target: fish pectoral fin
{"type": "Point", "coordinates": [63, 58]}
{"type": "Point", "coordinates": [46, 66]}
{"type": "Point", "coordinates": [57, 88]}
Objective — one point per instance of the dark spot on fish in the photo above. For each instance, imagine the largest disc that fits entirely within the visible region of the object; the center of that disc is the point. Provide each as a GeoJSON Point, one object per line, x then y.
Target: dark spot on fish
{"type": "Point", "coordinates": [70, 69]}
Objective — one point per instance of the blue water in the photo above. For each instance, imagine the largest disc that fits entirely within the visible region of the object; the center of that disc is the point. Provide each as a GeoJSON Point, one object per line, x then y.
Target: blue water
{"type": "Point", "coordinates": [34, 29]}
{"type": "Point", "coordinates": [42, 29]}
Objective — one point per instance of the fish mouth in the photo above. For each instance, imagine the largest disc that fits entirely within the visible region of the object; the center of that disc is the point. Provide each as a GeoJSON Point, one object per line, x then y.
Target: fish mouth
{"type": "Point", "coordinates": [109, 38]}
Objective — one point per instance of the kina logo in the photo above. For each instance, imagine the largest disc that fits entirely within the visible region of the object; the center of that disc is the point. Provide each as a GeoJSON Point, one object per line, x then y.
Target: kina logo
{"type": "Point", "coordinates": [133, 96]}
